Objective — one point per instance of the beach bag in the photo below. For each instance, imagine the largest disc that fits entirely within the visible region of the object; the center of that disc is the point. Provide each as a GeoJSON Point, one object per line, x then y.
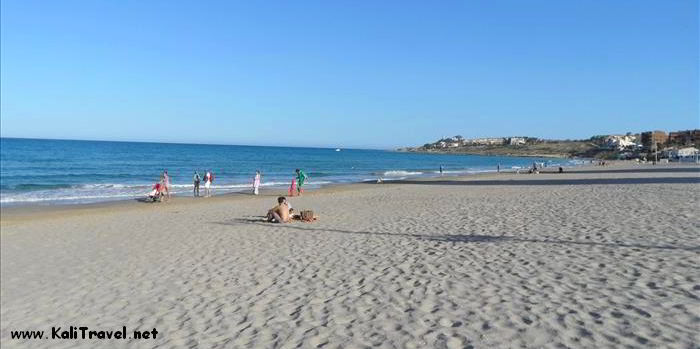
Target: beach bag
{"type": "Point", "coordinates": [307, 215]}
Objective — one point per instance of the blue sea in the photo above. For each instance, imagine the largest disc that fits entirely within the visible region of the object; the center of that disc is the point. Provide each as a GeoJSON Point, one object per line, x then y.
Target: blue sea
{"type": "Point", "coordinates": [40, 171]}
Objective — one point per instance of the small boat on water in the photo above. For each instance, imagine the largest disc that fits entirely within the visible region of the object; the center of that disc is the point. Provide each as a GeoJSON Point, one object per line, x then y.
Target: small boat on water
{"type": "Point", "coordinates": [337, 149]}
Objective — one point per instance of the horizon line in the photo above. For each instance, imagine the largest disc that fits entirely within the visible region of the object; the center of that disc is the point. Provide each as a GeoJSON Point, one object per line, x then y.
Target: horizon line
{"type": "Point", "coordinates": [191, 143]}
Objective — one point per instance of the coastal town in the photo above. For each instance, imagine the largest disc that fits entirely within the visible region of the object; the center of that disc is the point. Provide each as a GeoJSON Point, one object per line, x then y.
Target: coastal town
{"type": "Point", "coordinates": [654, 145]}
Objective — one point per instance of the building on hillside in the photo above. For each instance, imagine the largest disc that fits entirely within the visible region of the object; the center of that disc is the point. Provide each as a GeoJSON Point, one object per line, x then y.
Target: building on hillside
{"type": "Point", "coordinates": [686, 137]}
{"type": "Point", "coordinates": [621, 142]}
{"type": "Point", "coordinates": [517, 140]}
{"type": "Point", "coordinates": [455, 139]}
{"type": "Point", "coordinates": [652, 139]}
{"type": "Point", "coordinates": [485, 141]}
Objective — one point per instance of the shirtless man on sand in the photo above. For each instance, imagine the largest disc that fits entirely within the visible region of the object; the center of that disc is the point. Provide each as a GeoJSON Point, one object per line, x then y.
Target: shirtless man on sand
{"type": "Point", "coordinates": [279, 213]}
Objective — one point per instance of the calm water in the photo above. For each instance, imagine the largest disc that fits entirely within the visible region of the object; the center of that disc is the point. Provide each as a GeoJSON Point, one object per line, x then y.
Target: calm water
{"type": "Point", "coordinates": [64, 172]}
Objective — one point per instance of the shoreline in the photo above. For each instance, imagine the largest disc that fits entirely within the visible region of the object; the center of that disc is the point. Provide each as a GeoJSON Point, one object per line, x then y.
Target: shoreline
{"type": "Point", "coordinates": [15, 214]}
{"type": "Point", "coordinates": [58, 206]}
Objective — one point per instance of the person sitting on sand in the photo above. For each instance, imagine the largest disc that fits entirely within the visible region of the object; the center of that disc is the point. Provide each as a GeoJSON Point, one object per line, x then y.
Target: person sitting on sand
{"type": "Point", "coordinates": [292, 214]}
{"type": "Point", "coordinates": [156, 192]}
{"type": "Point", "coordinates": [279, 213]}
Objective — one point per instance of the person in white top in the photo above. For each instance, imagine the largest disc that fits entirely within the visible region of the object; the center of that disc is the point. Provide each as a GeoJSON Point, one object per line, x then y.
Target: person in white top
{"type": "Point", "coordinates": [166, 180]}
{"type": "Point", "coordinates": [256, 182]}
{"type": "Point", "coordinates": [208, 179]}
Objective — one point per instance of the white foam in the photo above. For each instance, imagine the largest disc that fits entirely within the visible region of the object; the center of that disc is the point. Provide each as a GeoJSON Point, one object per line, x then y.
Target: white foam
{"type": "Point", "coordinates": [107, 191]}
{"type": "Point", "coordinates": [17, 199]}
{"type": "Point", "coordinates": [401, 173]}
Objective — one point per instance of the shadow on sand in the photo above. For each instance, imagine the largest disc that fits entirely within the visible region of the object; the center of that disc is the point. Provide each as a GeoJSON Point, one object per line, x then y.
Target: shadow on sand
{"type": "Point", "coordinates": [146, 200]}
{"type": "Point", "coordinates": [465, 238]}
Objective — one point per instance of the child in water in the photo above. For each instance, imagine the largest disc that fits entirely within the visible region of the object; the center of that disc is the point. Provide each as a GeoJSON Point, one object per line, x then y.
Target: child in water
{"type": "Point", "coordinates": [293, 187]}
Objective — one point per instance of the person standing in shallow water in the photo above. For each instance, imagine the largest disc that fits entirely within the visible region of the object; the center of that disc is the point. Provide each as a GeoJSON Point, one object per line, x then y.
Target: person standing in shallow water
{"type": "Point", "coordinates": [207, 183]}
{"type": "Point", "coordinates": [166, 180]}
{"type": "Point", "coordinates": [256, 182]}
{"type": "Point", "coordinates": [196, 180]}
{"type": "Point", "coordinates": [301, 178]}
{"type": "Point", "coordinates": [441, 170]}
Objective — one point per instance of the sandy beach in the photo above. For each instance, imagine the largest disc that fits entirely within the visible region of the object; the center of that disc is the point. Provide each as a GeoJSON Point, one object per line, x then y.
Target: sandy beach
{"type": "Point", "coordinates": [598, 257]}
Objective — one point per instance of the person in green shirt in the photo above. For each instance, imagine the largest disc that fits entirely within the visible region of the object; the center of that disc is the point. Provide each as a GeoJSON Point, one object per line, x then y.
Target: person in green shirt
{"type": "Point", "coordinates": [301, 178]}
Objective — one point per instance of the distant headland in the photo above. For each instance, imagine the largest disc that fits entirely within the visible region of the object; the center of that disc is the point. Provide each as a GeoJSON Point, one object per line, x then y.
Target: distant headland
{"type": "Point", "coordinates": [645, 145]}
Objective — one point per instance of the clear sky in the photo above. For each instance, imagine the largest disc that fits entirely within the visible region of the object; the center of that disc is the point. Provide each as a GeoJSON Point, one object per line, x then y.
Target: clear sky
{"type": "Point", "coordinates": [371, 74]}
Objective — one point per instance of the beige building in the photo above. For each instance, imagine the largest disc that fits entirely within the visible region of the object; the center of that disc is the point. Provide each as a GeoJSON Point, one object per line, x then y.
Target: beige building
{"type": "Point", "coordinates": [653, 139]}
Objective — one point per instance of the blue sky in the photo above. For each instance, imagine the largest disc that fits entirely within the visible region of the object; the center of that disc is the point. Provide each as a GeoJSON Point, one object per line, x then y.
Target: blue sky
{"type": "Point", "coordinates": [371, 74]}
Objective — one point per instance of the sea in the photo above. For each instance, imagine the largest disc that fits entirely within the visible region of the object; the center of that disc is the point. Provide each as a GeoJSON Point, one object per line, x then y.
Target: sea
{"type": "Point", "coordinates": [57, 172]}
